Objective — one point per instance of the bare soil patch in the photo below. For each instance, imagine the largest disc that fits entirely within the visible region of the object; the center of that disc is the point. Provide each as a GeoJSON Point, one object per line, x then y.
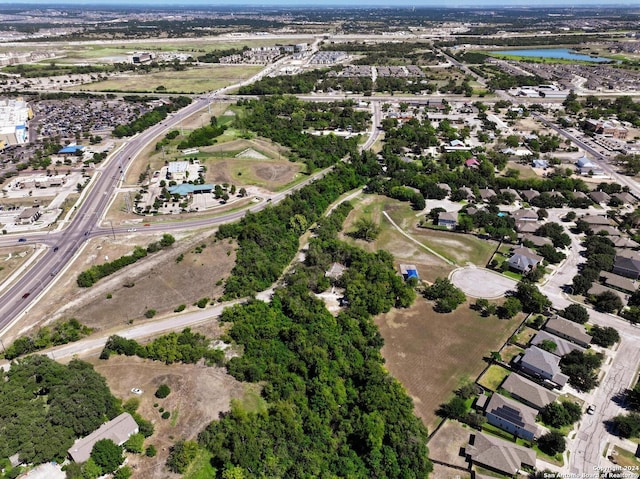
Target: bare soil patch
{"type": "Point", "coordinates": [11, 258]}
{"type": "Point", "coordinates": [443, 472]}
{"type": "Point", "coordinates": [431, 353]}
{"type": "Point", "coordinates": [162, 287]}
{"type": "Point", "coordinates": [446, 444]}
{"type": "Point", "coordinates": [198, 395]}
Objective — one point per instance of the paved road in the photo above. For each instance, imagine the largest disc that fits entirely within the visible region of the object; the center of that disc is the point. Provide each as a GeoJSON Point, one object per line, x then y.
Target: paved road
{"type": "Point", "coordinates": [481, 282]}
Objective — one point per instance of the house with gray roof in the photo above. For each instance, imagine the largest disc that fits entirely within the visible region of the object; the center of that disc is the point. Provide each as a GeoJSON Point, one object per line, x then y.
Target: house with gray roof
{"type": "Point", "coordinates": [606, 229]}
{"type": "Point", "coordinates": [498, 455]}
{"type": "Point", "coordinates": [627, 266]}
{"type": "Point", "coordinates": [447, 219]}
{"type": "Point", "coordinates": [513, 192]}
{"type": "Point", "coordinates": [562, 345]}
{"type": "Point", "coordinates": [527, 226]}
{"type": "Point", "coordinates": [596, 220]}
{"type": "Point", "coordinates": [624, 242]}
{"type": "Point", "coordinates": [619, 282]}
{"type": "Point", "coordinates": [599, 197]}
{"type": "Point", "coordinates": [487, 193]}
{"type": "Point", "coordinates": [524, 260]}
{"type": "Point", "coordinates": [445, 187]}
{"type": "Point", "coordinates": [528, 392]}
{"type": "Point", "coordinates": [542, 364]}
{"type": "Point", "coordinates": [118, 430]}
{"type": "Point", "coordinates": [534, 239]}
{"type": "Point", "coordinates": [626, 198]}
{"type": "Point", "coordinates": [529, 194]}
{"type": "Point", "coordinates": [512, 416]}
{"type": "Point", "coordinates": [568, 330]}
{"type": "Point", "coordinates": [525, 215]}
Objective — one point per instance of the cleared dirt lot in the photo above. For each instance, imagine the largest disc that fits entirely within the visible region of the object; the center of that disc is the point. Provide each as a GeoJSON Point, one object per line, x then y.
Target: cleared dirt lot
{"type": "Point", "coordinates": [432, 353]}
{"type": "Point", "coordinates": [198, 395]}
{"type": "Point", "coordinates": [446, 444]}
{"type": "Point", "coordinates": [159, 282]}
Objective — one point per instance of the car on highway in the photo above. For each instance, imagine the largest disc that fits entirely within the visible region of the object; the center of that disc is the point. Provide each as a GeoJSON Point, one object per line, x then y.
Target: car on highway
{"type": "Point", "coordinates": [26, 295]}
{"type": "Point", "coordinates": [137, 391]}
{"type": "Point", "coordinates": [131, 230]}
{"type": "Point", "coordinates": [56, 249]}
{"type": "Point", "coordinates": [22, 240]}
{"type": "Point", "coordinates": [591, 409]}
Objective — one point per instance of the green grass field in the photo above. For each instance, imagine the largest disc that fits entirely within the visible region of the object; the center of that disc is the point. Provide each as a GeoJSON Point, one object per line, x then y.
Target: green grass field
{"type": "Point", "coordinates": [194, 80]}
{"type": "Point", "coordinates": [493, 377]}
{"type": "Point", "coordinates": [201, 467]}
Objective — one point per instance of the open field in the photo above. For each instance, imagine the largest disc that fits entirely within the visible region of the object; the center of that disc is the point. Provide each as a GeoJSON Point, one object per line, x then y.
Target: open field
{"type": "Point", "coordinates": [198, 395]}
{"type": "Point", "coordinates": [192, 80]}
{"type": "Point", "coordinates": [431, 353]}
{"type": "Point", "coordinates": [159, 282]}
{"type": "Point", "coordinates": [162, 287]}
{"type": "Point", "coordinates": [625, 458]}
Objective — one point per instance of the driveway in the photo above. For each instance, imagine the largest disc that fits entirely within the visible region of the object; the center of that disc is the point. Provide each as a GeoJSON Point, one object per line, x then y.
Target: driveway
{"type": "Point", "coordinates": [481, 282]}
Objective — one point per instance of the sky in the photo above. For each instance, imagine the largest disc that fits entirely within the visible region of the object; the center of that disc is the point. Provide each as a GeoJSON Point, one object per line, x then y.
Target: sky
{"type": "Point", "coordinates": [339, 3]}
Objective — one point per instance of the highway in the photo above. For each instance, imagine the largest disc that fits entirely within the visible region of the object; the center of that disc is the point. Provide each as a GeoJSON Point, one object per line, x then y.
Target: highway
{"type": "Point", "coordinates": [64, 244]}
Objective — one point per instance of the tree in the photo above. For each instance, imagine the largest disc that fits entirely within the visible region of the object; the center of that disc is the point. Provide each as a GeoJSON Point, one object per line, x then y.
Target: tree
{"type": "Point", "coordinates": [135, 444]}
{"type": "Point", "coordinates": [107, 454]}
{"type": "Point", "coordinates": [607, 302]}
{"type": "Point", "coordinates": [181, 455]}
{"type": "Point", "coordinates": [123, 473]}
{"type": "Point", "coordinates": [366, 229]}
{"type": "Point", "coordinates": [533, 301]}
{"type": "Point", "coordinates": [552, 443]}
{"type": "Point", "coordinates": [445, 294]}
{"type": "Point", "coordinates": [628, 425]}
{"type": "Point", "coordinates": [576, 313]}
{"type": "Point", "coordinates": [509, 308]}
{"type": "Point", "coordinates": [90, 470]}
{"type": "Point", "coordinates": [604, 336]}
{"type": "Point", "coordinates": [560, 414]}
{"type": "Point", "coordinates": [163, 391]}
{"type": "Point", "coordinates": [456, 408]}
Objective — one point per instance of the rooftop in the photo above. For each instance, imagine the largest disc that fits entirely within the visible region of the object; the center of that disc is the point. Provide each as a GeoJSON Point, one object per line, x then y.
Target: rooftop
{"type": "Point", "coordinates": [118, 430]}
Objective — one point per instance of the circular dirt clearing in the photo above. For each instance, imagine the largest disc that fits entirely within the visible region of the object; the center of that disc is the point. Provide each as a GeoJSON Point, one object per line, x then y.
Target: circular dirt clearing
{"type": "Point", "coordinates": [481, 283]}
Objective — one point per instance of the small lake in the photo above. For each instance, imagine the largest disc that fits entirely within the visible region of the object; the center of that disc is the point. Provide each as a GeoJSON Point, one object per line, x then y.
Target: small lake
{"type": "Point", "coordinates": [557, 53]}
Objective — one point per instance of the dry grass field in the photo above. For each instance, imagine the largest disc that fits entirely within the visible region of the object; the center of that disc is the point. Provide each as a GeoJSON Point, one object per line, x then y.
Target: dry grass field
{"type": "Point", "coordinates": [432, 353]}
{"type": "Point", "coordinates": [198, 395]}
{"type": "Point", "coordinates": [445, 445]}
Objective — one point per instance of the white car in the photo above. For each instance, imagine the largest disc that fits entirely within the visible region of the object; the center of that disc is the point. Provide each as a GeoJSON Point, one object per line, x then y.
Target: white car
{"type": "Point", "coordinates": [591, 409]}
{"type": "Point", "coordinates": [131, 230]}
{"type": "Point", "coordinates": [137, 391]}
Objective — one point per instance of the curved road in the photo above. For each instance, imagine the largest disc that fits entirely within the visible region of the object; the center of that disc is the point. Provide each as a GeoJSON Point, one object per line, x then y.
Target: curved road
{"type": "Point", "coordinates": [66, 243]}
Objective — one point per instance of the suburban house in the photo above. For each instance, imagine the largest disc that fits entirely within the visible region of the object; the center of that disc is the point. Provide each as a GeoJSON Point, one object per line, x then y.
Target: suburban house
{"type": "Point", "coordinates": [524, 260]}
{"type": "Point", "coordinates": [444, 187]}
{"type": "Point", "coordinates": [562, 345]}
{"type": "Point", "coordinates": [542, 364]}
{"type": "Point", "coordinates": [498, 455]}
{"type": "Point", "coordinates": [527, 226]}
{"type": "Point", "coordinates": [487, 193]}
{"type": "Point", "coordinates": [538, 163]}
{"type": "Point", "coordinates": [336, 271]}
{"type": "Point", "coordinates": [598, 288]}
{"type": "Point", "coordinates": [600, 197]}
{"type": "Point", "coordinates": [529, 194]}
{"type": "Point", "coordinates": [627, 265]}
{"type": "Point", "coordinates": [118, 430]}
{"type": "Point", "coordinates": [568, 330]}
{"type": "Point", "coordinates": [468, 193]}
{"type": "Point", "coordinates": [619, 282]}
{"type": "Point", "coordinates": [534, 239]}
{"type": "Point", "coordinates": [605, 229]}
{"type": "Point", "coordinates": [596, 220]}
{"type": "Point", "coordinates": [450, 220]}
{"type": "Point", "coordinates": [513, 192]}
{"type": "Point", "coordinates": [528, 392]}
{"type": "Point", "coordinates": [626, 198]}
{"type": "Point", "coordinates": [512, 416]}
{"type": "Point", "coordinates": [472, 163]}
{"type": "Point", "coordinates": [623, 242]}
{"type": "Point", "coordinates": [525, 215]}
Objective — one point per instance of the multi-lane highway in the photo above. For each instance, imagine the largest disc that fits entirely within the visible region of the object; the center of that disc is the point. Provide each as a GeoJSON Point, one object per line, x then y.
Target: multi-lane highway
{"type": "Point", "coordinates": [64, 244]}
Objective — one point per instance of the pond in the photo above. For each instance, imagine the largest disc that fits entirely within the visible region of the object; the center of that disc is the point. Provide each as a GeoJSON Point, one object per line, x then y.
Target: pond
{"type": "Point", "coordinates": [554, 53]}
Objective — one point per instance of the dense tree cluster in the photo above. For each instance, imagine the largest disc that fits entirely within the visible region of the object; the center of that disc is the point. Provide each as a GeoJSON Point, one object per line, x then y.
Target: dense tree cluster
{"type": "Point", "coordinates": [203, 136]}
{"type": "Point", "coordinates": [95, 273]}
{"type": "Point", "coordinates": [151, 118]}
{"type": "Point", "coordinates": [183, 347]}
{"type": "Point", "coordinates": [576, 313]}
{"type": "Point", "coordinates": [62, 333]}
{"type": "Point", "coordinates": [600, 254]}
{"type": "Point", "coordinates": [532, 300]}
{"type": "Point", "coordinates": [333, 410]}
{"type": "Point", "coordinates": [559, 414]}
{"type": "Point", "coordinates": [604, 336]}
{"type": "Point", "coordinates": [45, 406]}
{"type": "Point", "coordinates": [582, 369]}
{"type": "Point", "coordinates": [445, 294]}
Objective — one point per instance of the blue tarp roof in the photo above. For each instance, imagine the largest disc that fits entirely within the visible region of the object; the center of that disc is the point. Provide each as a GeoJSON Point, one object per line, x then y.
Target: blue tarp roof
{"type": "Point", "coordinates": [185, 189]}
{"type": "Point", "coordinates": [71, 149]}
{"type": "Point", "coordinates": [412, 273]}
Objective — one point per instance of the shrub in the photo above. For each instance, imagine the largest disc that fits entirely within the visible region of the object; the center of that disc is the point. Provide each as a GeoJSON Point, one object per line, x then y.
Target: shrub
{"type": "Point", "coordinates": [166, 415]}
{"type": "Point", "coordinates": [180, 308]}
{"type": "Point", "coordinates": [150, 313]}
{"type": "Point", "coordinates": [163, 391]}
{"type": "Point", "coordinates": [151, 451]}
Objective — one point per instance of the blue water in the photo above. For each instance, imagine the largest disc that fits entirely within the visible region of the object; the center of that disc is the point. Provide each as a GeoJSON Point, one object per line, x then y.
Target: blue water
{"type": "Point", "coordinates": [501, 214]}
{"type": "Point", "coordinates": [560, 53]}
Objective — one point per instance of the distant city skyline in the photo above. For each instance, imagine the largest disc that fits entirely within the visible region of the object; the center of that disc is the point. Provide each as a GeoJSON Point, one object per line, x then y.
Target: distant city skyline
{"type": "Point", "coordinates": [336, 3]}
